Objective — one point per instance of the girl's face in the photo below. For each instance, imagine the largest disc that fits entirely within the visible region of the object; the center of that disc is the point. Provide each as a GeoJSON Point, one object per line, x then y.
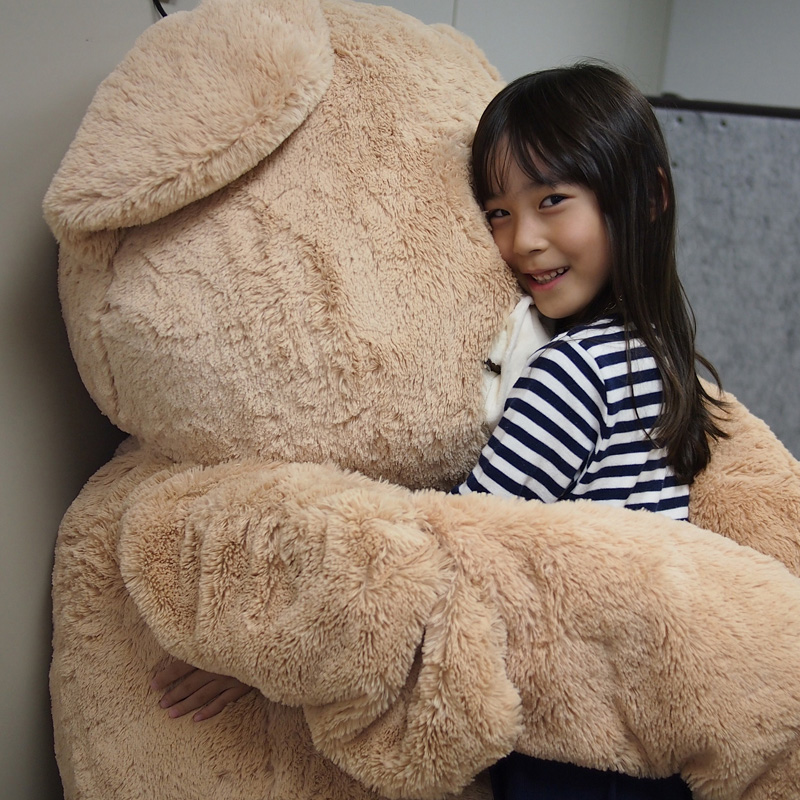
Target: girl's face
{"type": "Point", "coordinates": [554, 238]}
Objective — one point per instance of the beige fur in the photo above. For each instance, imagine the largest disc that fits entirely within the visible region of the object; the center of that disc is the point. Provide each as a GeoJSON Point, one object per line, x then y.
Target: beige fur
{"type": "Point", "coordinates": [274, 277]}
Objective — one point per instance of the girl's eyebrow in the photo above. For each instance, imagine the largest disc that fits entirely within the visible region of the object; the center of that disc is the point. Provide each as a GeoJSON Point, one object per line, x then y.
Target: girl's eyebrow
{"type": "Point", "coordinates": [531, 184]}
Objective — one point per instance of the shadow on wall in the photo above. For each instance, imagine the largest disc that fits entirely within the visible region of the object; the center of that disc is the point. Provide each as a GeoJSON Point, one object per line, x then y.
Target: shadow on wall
{"type": "Point", "coordinates": [82, 439]}
{"type": "Point", "coordinates": [56, 439]}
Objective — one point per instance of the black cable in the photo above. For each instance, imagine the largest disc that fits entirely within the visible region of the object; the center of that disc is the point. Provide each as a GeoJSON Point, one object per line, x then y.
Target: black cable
{"type": "Point", "coordinates": [160, 8]}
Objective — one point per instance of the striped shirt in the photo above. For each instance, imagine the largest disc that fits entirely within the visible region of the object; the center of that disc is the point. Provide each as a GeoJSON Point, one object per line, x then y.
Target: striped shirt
{"type": "Point", "coordinates": [575, 427]}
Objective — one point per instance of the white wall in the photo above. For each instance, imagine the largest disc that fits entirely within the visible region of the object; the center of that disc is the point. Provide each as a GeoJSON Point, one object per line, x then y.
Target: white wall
{"type": "Point", "coordinates": [735, 51]}
{"type": "Point", "coordinates": [52, 56]}
{"type": "Point", "coordinates": [429, 11]}
{"type": "Point", "coordinates": [520, 36]}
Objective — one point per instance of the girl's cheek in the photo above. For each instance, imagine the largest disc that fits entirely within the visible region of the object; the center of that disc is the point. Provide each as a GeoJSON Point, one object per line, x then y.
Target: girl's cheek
{"type": "Point", "coordinates": [506, 250]}
{"type": "Point", "coordinates": [500, 239]}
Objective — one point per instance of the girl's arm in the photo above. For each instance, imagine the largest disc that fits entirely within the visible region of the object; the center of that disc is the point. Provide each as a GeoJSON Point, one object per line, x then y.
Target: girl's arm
{"type": "Point", "coordinates": [548, 431]}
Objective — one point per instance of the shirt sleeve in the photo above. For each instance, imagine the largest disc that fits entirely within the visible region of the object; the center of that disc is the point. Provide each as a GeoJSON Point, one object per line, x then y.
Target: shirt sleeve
{"type": "Point", "coordinates": [552, 422]}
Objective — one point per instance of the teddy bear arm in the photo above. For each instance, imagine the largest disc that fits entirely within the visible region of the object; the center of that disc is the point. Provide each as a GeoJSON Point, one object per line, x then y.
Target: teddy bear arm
{"type": "Point", "coordinates": [329, 591]}
{"type": "Point", "coordinates": [244, 567]}
{"type": "Point", "coordinates": [750, 492]}
{"type": "Point", "coordinates": [385, 615]}
{"type": "Point", "coordinates": [638, 643]}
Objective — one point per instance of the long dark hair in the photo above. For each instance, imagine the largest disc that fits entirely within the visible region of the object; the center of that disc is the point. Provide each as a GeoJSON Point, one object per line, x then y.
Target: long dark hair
{"type": "Point", "coordinates": [588, 125]}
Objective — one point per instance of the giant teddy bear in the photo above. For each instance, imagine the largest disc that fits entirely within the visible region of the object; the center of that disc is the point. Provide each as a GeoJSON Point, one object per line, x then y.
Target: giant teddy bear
{"type": "Point", "coordinates": [276, 281]}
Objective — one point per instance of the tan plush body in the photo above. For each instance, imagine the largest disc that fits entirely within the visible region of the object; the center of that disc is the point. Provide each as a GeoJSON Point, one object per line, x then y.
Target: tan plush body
{"type": "Point", "coordinates": [275, 278]}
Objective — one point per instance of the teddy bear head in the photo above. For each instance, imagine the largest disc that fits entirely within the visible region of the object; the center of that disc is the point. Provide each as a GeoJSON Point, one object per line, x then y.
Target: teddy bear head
{"type": "Point", "coordinates": [269, 245]}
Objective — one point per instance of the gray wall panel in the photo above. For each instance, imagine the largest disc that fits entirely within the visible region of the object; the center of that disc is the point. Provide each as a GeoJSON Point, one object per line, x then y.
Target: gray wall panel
{"type": "Point", "coordinates": [737, 179]}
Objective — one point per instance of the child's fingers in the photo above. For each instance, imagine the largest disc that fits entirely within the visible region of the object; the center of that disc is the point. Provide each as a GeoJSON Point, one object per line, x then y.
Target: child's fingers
{"type": "Point", "coordinates": [174, 671]}
{"type": "Point", "coordinates": [191, 689]}
{"type": "Point", "coordinates": [198, 683]}
{"type": "Point", "coordinates": [216, 705]}
{"type": "Point", "coordinates": [193, 701]}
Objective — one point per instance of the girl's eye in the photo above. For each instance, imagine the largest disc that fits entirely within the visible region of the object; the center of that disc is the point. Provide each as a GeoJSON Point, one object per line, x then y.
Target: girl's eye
{"type": "Point", "coordinates": [495, 213]}
{"type": "Point", "coordinates": [553, 200]}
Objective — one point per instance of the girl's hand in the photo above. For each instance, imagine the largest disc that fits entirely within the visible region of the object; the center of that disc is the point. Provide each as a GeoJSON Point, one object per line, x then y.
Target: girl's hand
{"type": "Point", "coordinates": [192, 689]}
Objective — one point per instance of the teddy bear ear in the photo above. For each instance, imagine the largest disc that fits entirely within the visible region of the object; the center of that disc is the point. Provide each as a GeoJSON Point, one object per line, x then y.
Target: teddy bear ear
{"type": "Point", "coordinates": [202, 98]}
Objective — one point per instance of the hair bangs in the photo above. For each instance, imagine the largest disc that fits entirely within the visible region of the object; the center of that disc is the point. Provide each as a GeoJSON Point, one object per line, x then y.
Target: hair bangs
{"type": "Point", "coordinates": [528, 134]}
{"type": "Point", "coordinates": [540, 154]}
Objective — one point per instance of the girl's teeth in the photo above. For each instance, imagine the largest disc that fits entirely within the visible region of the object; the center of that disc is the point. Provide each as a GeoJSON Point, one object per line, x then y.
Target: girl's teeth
{"type": "Point", "coordinates": [549, 276]}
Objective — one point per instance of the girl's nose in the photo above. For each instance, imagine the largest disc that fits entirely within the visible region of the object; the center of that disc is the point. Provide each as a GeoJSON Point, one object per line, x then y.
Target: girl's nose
{"type": "Point", "coordinates": [529, 237]}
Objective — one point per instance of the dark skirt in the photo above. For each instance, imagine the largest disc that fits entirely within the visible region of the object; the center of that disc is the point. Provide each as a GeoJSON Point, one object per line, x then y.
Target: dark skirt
{"type": "Point", "coordinates": [519, 777]}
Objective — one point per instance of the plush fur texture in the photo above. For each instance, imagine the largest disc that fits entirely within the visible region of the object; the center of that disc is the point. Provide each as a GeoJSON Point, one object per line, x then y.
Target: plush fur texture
{"type": "Point", "coordinates": [275, 278]}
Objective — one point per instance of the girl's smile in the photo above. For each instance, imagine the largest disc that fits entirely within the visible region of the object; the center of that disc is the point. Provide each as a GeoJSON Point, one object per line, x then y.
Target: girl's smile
{"type": "Point", "coordinates": [547, 279]}
{"type": "Point", "coordinates": [554, 238]}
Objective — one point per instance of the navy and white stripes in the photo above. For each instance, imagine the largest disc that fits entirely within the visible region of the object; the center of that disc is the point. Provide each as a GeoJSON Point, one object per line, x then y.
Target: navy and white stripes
{"type": "Point", "coordinates": [575, 426]}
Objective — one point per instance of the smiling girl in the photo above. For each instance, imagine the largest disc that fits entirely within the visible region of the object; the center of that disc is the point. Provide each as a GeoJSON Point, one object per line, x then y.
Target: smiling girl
{"type": "Point", "coordinates": [572, 171]}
